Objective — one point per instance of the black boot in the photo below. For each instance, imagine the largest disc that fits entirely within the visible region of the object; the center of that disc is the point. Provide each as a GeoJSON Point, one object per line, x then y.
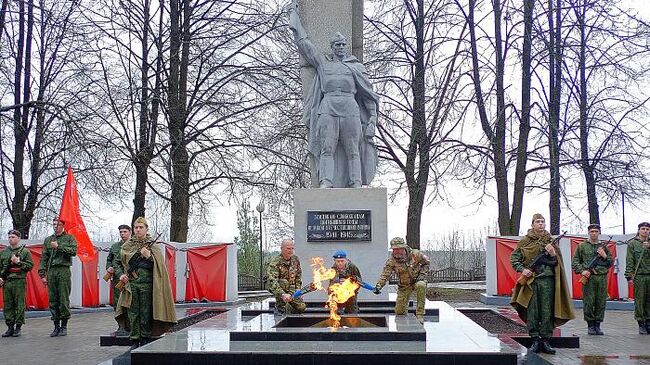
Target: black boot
{"type": "Point", "coordinates": [535, 346]}
{"type": "Point", "coordinates": [546, 348]}
{"type": "Point", "coordinates": [57, 328]}
{"type": "Point", "coordinates": [10, 330]}
{"type": "Point", "coordinates": [597, 328]}
{"type": "Point", "coordinates": [591, 328]}
{"type": "Point", "coordinates": [17, 330]}
{"type": "Point", "coordinates": [642, 329]}
{"type": "Point", "coordinates": [64, 327]}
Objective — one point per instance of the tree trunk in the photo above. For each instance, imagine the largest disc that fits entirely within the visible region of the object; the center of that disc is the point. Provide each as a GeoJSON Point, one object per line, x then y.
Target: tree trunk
{"type": "Point", "coordinates": [180, 197]}
{"type": "Point", "coordinates": [555, 66]}
{"type": "Point", "coordinates": [585, 164]}
{"type": "Point", "coordinates": [524, 124]}
{"type": "Point", "coordinates": [418, 153]}
{"type": "Point", "coordinates": [20, 130]}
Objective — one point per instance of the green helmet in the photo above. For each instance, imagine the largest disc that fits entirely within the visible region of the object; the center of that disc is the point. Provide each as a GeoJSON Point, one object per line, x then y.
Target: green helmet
{"type": "Point", "coordinates": [397, 242]}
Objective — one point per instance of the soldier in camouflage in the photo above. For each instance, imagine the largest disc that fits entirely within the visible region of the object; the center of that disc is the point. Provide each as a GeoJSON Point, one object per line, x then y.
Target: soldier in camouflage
{"type": "Point", "coordinates": [594, 292]}
{"type": "Point", "coordinates": [15, 263]}
{"type": "Point", "coordinates": [285, 277]}
{"type": "Point", "coordinates": [54, 269]}
{"type": "Point", "coordinates": [637, 272]}
{"type": "Point", "coordinates": [411, 267]}
{"type": "Point", "coordinates": [114, 266]}
{"type": "Point", "coordinates": [346, 269]}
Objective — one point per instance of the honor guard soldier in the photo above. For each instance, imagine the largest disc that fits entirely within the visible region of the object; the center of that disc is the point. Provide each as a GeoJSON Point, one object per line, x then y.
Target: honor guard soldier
{"type": "Point", "coordinates": [15, 263]}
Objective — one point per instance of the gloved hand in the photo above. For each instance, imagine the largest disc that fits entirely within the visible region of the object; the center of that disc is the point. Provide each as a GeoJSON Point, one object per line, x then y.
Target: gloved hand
{"type": "Point", "coordinates": [377, 290]}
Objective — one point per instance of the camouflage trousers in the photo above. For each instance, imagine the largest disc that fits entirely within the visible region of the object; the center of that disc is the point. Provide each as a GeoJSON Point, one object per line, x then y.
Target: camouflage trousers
{"type": "Point", "coordinates": [295, 306]}
{"type": "Point", "coordinates": [642, 297]}
{"type": "Point", "coordinates": [58, 289]}
{"type": "Point", "coordinates": [13, 292]}
{"type": "Point", "coordinates": [540, 308]}
{"type": "Point", "coordinates": [141, 310]}
{"type": "Point", "coordinates": [594, 298]}
{"type": "Point", "coordinates": [404, 294]}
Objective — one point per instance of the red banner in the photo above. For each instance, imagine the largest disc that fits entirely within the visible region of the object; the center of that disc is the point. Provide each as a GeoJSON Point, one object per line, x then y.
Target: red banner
{"type": "Point", "coordinates": [90, 282]}
{"type": "Point", "coordinates": [506, 275]}
{"type": "Point", "coordinates": [73, 222]}
{"type": "Point", "coordinates": [207, 273]}
{"type": "Point", "coordinates": [612, 283]}
{"type": "Point", "coordinates": [170, 263]}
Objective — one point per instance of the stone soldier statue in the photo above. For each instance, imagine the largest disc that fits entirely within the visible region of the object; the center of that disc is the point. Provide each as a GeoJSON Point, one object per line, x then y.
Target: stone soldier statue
{"type": "Point", "coordinates": [543, 302]}
{"type": "Point", "coordinates": [15, 263]}
{"type": "Point", "coordinates": [114, 266]}
{"type": "Point", "coordinates": [411, 267]}
{"type": "Point", "coordinates": [637, 272]}
{"type": "Point", "coordinates": [346, 269]}
{"type": "Point", "coordinates": [285, 277]}
{"type": "Point", "coordinates": [54, 269]}
{"type": "Point", "coordinates": [340, 113]}
{"type": "Point", "coordinates": [146, 299]}
{"type": "Point", "coordinates": [592, 260]}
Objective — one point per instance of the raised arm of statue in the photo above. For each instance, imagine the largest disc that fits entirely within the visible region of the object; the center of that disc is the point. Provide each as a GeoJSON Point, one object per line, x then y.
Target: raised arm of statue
{"type": "Point", "coordinates": [308, 50]}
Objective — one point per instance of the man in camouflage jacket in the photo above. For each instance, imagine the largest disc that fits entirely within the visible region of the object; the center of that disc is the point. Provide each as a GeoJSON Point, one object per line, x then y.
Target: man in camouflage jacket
{"type": "Point", "coordinates": [637, 272]}
{"type": "Point", "coordinates": [114, 266]}
{"type": "Point", "coordinates": [411, 267]}
{"type": "Point", "coordinates": [346, 269]}
{"type": "Point", "coordinates": [285, 277]}
{"type": "Point", "coordinates": [15, 263]}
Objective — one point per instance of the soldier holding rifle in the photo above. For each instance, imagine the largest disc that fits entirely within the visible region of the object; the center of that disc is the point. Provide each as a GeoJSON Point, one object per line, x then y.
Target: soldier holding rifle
{"type": "Point", "coordinates": [146, 299]}
{"type": "Point", "coordinates": [592, 261]}
{"type": "Point", "coordinates": [542, 300]}
{"type": "Point", "coordinates": [114, 270]}
{"type": "Point", "coordinates": [54, 269]}
{"type": "Point", "coordinates": [637, 272]}
{"type": "Point", "coordinates": [15, 263]}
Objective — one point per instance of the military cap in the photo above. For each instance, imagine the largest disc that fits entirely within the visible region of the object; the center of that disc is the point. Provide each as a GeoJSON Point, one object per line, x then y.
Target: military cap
{"type": "Point", "coordinates": [397, 242]}
{"type": "Point", "coordinates": [593, 226]}
{"type": "Point", "coordinates": [141, 220]}
{"type": "Point", "coordinates": [337, 37]}
{"type": "Point", "coordinates": [537, 216]}
{"type": "Point", "coordinates": [644, 224]}
{"type": "Point", "coordinates": [14, 232]}
{"type": "Point", "coordinates": [340, 254]}
{"type": "Point", "coordinates": [124, 226]}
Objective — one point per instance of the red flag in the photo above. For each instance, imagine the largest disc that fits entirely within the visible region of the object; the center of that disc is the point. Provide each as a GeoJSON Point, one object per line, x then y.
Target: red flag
{"type": "Point", "coordinates": [72, 218]}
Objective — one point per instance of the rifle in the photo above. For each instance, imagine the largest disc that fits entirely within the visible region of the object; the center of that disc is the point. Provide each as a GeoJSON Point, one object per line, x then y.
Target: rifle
{"type": "Point", "coordinates": [5, 272]}
{"type": "Point", "coordinates": [133, 262]}
{"type": "Point", "coordinates": [596, 261]}
{"type": "Point", "coordinates": [542, 258]}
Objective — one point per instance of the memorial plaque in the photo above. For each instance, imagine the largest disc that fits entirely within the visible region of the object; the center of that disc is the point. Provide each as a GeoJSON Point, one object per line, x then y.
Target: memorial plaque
{"type": "Point", "coordinates": [340, 225]}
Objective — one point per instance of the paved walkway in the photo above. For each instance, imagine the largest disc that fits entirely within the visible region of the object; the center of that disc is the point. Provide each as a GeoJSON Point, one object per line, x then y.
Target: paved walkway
{"type": "Point", "coordinates": [80, 346]}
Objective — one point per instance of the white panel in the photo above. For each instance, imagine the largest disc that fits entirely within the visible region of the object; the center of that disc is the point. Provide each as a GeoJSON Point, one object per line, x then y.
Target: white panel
{"type": "Point", "coordinates": [491, 266]}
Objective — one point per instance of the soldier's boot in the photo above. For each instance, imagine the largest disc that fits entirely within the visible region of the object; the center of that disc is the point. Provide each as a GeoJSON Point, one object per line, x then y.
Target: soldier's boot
{"type": "Point", "coordinates": [17, 330]}
{"type": "Point", "coordinates": [546, 348]}
{"type": "Point", "coordinates": [64, 327]}
{"type": "Point", "coordinates": [10, 330]}
{"type": "Point", "coordinates": [591, 328]}
{"type": "Point", "coordinates": [597, 327]}
{"type": "Point", "coordinates": [535, 346]}
{"type": "Point", "coordinates": [647, 325]}
{"type": "Point", "coordinates": [57, 329]}
{"type": "Point", "coordinates": [642, 329]}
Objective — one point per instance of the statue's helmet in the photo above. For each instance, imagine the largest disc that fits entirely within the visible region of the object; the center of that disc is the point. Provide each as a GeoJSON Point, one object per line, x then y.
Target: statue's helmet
{"type": "Point", "coordinates": [338, 37]}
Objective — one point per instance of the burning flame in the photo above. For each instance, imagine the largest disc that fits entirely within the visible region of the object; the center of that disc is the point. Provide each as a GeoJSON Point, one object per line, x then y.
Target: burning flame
{"type": "Point", "coordinates": [339, 293]}
{"type": "Point", "coordinates": [321, 272]}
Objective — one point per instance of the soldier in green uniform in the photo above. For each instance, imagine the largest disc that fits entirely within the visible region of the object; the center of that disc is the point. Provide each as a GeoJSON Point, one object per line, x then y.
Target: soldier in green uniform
{"type": "Point", "coordinates": [15, 263]}
{"type": "Point", "coordinates": [637, 272]}
{"type": "Point", "coordinates": [146, 299]}
{"type": "Point", "coordinates": [114, 267]}
{"type": "Point", "coordinates": [54, 270]}
{"type": "Point", "coordinates": [544, 301]}
{"type": "Point", "coordinates": [592, 260]}
{"type": "Point", "coordinates": [411, 267]}
{"type": "Point", "coordinates": [285, 277]}
{"type": "Point", "coordinates": [346, 269]}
